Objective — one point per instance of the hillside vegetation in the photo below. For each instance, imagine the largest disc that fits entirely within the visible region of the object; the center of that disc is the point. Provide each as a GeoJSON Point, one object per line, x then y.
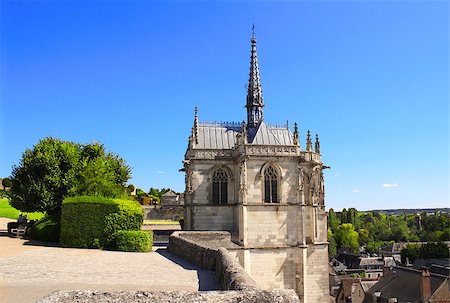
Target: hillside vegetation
{"type": "Point", "coordinates": [349, 229]}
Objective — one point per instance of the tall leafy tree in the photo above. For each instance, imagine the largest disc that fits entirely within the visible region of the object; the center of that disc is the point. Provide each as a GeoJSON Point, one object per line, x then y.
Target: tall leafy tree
{"type": "Point", "coordinates": [45, 175]}
{"type": "Point", "coordinates": [347, 237]}
{"type": "Point", "coordinates": [54, 169]}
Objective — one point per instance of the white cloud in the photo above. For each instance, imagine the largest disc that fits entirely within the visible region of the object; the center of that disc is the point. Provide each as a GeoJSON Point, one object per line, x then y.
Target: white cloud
{"type": "Point", "coordinates": [390, 185]}
{"type": "Point", "coordinates": [337, 174]}
{"type": "Point", "coordinates": [160, 172]}
{"type": "Point", "coordinates": [356, 190]}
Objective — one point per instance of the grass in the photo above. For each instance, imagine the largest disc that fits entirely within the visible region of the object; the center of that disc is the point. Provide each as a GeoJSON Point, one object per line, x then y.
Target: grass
{"type": "Point", "coordinates": [7, 211]}
{"type": "Point", "coordinates": [160, 222]}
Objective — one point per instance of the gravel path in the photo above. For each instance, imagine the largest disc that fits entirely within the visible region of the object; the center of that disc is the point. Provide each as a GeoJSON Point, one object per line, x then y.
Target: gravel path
{"type": "Point", "coordinates": [29, 270]}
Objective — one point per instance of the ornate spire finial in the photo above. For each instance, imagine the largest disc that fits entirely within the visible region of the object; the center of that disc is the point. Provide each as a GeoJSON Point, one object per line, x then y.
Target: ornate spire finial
{"type": "Point", "coordinates": [295, 141]}
{"type": "Point", "coordinates": [195, 128]}
{"type": "Point", "coordinates": [255, 101]}
{"type": "Point", "coordinates": [308, 142]}
{"type": "Point", "coordinates": [317, 145]}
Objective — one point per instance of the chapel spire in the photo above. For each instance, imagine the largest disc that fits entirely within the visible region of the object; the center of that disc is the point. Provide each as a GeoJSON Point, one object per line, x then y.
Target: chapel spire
{"type": "Point", "coordinates": [255, 101]}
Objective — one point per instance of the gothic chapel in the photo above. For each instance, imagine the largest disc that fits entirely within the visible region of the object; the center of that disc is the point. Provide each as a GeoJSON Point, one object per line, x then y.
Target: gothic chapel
{"type": "Point", "coordinates": [254, 180]}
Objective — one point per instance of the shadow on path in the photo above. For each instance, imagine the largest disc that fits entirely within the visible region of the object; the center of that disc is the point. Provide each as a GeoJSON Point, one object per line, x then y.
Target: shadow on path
{"type": "Point", "coordinates": [207, 279]}
{"type": "Point", "coordinates": [4, 233]}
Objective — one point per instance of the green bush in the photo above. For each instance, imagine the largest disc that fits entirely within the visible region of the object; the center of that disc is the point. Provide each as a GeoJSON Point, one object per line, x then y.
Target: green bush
{"type": "Point", "coordinates": [92, 222]}
{"type": "Point", "coordinates": [134, 240]}
{"type": "Point", "coordinates": [45, 229]}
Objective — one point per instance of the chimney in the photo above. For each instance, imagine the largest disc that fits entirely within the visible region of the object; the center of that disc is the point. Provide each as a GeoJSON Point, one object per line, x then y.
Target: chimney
{"type": "Point", "coordinates": [425, 284]}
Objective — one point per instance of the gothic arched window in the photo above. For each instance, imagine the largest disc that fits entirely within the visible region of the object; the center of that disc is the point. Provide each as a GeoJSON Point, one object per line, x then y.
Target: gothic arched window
{"type": "Point", "coordinates": [270, 185]}
{"type": "Point", "coordinates": [220, 187]}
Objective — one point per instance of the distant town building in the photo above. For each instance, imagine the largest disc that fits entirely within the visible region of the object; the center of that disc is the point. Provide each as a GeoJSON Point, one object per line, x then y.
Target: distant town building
{"type": "Point", "coordinates": [169, 198]}
{"type": "Point", "coordinates": [403, 284]}
{"type": "Point", "coordinates": [351, 291]}
{"type": "Point", "coordinates": [256, 181]}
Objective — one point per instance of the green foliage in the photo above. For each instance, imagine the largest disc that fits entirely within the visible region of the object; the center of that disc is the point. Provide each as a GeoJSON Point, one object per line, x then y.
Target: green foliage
{"type": "Point", "coordinates": [429, 250]}
{"type": "Point", "coordinates": [45, 175]}
{"type": "Point", "coordinates": [7, 211]}
{"type": "Point", "coordinates": [347, 237]}
{"type": "Point", "coordinates": [54, 169]}
{"type": "Point", "coordinates": [333, 220]}
{"type": "Point", "coordinates": [5, 194]}
{"type": "Point", "coordinates": [45, 229]}
{"type": "Point", "coordinates": [376, 229]}
{"type": "Point", "coordinates": [91, 222]}
{"type": "Point", "coordinates": [101, 173]}
{"type": "Point", "coordinates": [6, 182]}
{"type": "Point", "coordinates": [134, 240]}
{"type": "Point", "coordinates": [128, 217]}
{"type": "Point", "coordinates": [332, 246]}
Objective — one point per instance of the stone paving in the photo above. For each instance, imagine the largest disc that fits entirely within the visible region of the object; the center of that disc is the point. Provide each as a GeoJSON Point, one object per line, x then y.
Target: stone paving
{"type": "Point", "coordinates": [29, 270]}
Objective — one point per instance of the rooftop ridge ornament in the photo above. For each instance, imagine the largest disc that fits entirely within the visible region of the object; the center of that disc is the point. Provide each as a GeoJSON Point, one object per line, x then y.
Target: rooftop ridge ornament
{"type": "Point", "coordinates": [195, 128]}
{"type": "Point", "coordinates": [255, 102]}
{"type": "Point", "coordinates": [317, 145]}
{"type": "Point", "coordinates": [308, 141]}
{"type": "Point", "coordinates": [295, 140]}
{"type": "Point", "coordinates": [221, 124]}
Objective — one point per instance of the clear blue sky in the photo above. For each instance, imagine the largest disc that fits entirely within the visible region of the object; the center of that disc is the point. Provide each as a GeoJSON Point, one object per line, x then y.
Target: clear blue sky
{"type": "Point", "coordinates": [372, 78]}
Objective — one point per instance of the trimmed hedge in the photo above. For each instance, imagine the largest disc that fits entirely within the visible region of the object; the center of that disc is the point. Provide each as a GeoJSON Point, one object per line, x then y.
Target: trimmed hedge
{"type": "Point", "coordinates": [45, 229]}
{"type": "Point", "coordinates": [92, 222]}
{"type": "Point", "coordinates": [134, 240]}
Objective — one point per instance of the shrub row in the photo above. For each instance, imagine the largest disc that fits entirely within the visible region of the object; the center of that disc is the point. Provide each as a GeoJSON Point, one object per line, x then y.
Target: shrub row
{"type": "Point", "coordinates": [93, 222]}
{"type": "Point", "coordinates": [45, 229]}
{"type": "Point", "coordinates": [134, 240]}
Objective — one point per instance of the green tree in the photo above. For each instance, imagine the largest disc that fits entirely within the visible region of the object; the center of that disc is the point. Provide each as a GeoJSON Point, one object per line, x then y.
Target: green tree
{"type": "Point", "coordinates": [344, 216]}
{"type": "Point", "coordinates": [45, 175]}
{"type": "Point", "coordinates": [351, 216]}
{"type": "Point", "coordinates": [333, 220]}
{"type": "Point", "coordinates": [131, 188]}
{"type": "Point", "coordinates": [54, 169]}
{"type": "Point", "coordinates": [332, 246]}
{"type": "Point", "coordinates": [363, 235]}
{"type": "Point", "coordinates": [6, 182]}
{"type": "Point", "coordinates": [347, 237]}
{"type": "Point", "coordinates": [101, 174]}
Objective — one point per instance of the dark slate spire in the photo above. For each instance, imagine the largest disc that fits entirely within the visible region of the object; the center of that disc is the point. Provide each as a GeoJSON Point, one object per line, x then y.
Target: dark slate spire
{"type": "Point", "coordinates": [255, 101]}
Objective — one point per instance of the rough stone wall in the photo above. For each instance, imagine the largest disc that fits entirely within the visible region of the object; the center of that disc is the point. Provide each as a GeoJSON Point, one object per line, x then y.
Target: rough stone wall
{"type": "Point", "coordinates": [163, 212]}
{"type": "Point", "coordinates": [88, 296]}
{"type": "Point", "coordinates": [230, 274]}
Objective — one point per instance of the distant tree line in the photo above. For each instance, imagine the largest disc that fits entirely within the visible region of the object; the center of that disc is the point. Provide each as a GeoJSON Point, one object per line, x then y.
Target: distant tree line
{"type": "Point", "coordinates": [349, 229]}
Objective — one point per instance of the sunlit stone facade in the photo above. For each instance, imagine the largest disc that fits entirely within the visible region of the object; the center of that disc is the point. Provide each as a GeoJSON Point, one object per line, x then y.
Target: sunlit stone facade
{"type": "Point", "coordinates": [254, 180]}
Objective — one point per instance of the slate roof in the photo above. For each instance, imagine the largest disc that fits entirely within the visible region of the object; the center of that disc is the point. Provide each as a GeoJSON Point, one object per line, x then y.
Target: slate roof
{"type": "Point", "coordinates": [170, 193]}
{"type": "Point", "coordinates": [217, 135]}
{"type": "Point", "coordinates": [267, 135]}
{"type": "Point", "coordinates": [371, 261]}
{"type": "Point", "coordinates": [404, 284]}
{"type": "Point", "coordinates": [419, 263]}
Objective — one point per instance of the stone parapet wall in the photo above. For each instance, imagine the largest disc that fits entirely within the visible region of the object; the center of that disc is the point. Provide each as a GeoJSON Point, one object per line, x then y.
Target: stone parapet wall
{"type": "Point", "coordinates": [194, 252]}
{"type": "Point", "coordinates": [163, 212]}
{"type": "Point", "coordinates": [230, 273]}
{"type": "Point", "coordinates": [192, 247]}
{"type": "Point", "coordinates": [87, 296]}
